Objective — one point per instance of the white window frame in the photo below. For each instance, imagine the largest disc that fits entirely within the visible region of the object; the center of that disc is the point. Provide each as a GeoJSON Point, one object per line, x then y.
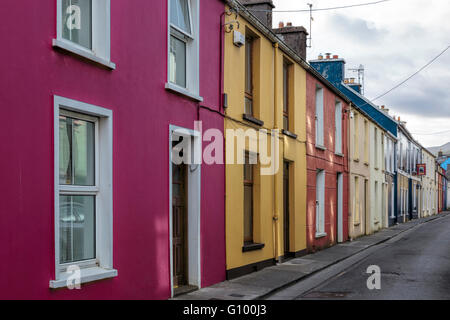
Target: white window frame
{"type": "Point", "coordinates": [319, 100]}
{"type": "Point", "coordinates": [193, 208]}
{"type": "Point", "coordinates": [376, 147]}
{"type": "Point", "coordinates": [338, 127]}
{"type": "Point", "coordinates": [102, 266]}
{"type": "Point", "coordinates": [101, 35]}
{"type": "Point", "coordinates": [320, 203]}
{"type": "Point", "coordinates": [192, 89]}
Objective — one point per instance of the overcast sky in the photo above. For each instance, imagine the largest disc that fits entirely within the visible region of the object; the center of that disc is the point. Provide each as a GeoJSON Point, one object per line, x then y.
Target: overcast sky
{"type": "Point", "coordinates": [392, 40]}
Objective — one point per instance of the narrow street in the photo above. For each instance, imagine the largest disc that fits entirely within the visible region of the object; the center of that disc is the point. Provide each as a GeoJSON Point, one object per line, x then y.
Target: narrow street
{"type": "Point", "coordinates": [414, 265]}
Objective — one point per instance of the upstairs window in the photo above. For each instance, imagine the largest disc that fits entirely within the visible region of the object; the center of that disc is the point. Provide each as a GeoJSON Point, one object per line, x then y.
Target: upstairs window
{"type": "Point", "coordinates": [366, 141]}
{"type": "Point", "coordinates": [249, 44]}
{"type": "Point", "coordinates": [84, 27]}
{"type": "Point", "coordinates": [319, 117]}
{"type": "Point", "coordinates": [338, 127]}
{"type": "Point", "coordinates": [183, 64]}
{"type": "Point", "coordinates": [286, 96]}
{"type": "Point", "coordinates": [376, 146]}
{"type": "Point", "coordinates": [356, 136]}
{"type": "Point", "coordinates": [77, 22]}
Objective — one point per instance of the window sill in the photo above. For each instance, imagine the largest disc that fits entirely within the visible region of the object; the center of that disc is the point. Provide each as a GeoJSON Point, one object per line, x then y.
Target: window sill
{"type": "Point", "coordinates": [366, 163]}
{"type": "Point", "coordinates": [356, 160]}
{"type": "Point", "coordinates": [252, 119]}
{"type": "Point", "coordinates": [68, 47]}
{"type": "Point", "coordinates": [320, 147]}
{"type": "Point", "coordinates": [339, 154]}
{"type": "Point", "coordinates": [177, 89]}
{"type": "Point", "coordinates": [289, 134]}
{"type": "Point", "coordinates": [377, 168]}
{"type": "Point", "coordinates": [252, 247]}
{"type": "Point", "coordinates": [87, 275]}
{"type": "Point", "coordinates": [321, 235]}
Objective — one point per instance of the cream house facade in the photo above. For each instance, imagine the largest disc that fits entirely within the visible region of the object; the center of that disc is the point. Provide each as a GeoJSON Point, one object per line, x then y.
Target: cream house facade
{"type": "Point", "coordinates": [428, 191]}
{"type": "Point", "coordinates": [376, 178]}
{"type": "Point", "coordinates": [359, 220]}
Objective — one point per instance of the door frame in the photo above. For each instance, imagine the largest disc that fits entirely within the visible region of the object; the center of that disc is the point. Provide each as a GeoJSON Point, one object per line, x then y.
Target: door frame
{"type": "Point", "coordinates": [340, 206]}
{"type": "Point", "coordinates": [193, 196]}
{"type": "Point", "coordinates": [287, 215]}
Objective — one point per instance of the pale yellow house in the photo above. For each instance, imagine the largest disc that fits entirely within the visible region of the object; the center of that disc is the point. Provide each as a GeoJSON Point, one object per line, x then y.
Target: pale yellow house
{"type": "Point", "coordinates": [428, 190]}
{"type": "Point", "coordinates": [265, 86]}
{"type": "Point", "coordinates": [366, 174]}
{"type": "Point", "coordinates": [377, 189]}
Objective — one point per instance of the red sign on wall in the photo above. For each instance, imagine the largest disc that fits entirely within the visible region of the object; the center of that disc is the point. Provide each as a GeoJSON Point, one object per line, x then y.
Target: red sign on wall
{"type": "Point", "coordinates": [421, 169]}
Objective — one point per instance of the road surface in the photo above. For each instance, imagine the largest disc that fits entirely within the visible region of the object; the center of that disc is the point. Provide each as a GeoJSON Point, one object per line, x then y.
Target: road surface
{"type": "Point", "coordinates": [413, 265]}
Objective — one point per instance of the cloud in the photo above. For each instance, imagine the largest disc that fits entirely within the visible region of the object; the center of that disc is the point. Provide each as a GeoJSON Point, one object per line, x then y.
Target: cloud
{"type": "Point", "coordinates": [392, 40]}
{"type": "Point", "coordinates": [355, 28]}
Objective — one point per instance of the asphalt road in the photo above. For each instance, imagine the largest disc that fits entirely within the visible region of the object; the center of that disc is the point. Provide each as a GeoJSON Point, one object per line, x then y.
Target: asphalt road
{"type": "Point", "coordinates": [414, 265]}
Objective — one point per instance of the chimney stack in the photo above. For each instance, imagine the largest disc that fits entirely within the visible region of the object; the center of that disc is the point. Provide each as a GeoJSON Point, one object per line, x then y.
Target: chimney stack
{"type": "Point", "coordinates": [262, 10]}
{"type": "Point", "coordinates": [294, 37]}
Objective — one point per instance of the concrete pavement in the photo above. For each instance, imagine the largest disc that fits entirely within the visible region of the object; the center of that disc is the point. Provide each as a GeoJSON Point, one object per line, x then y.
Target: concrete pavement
{"type": "Point", "coordinates": [272, 280]}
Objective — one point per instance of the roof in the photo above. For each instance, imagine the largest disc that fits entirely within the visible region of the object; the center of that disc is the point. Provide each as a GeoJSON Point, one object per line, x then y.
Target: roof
{"type": "Point", "coordinates": [272, 36]}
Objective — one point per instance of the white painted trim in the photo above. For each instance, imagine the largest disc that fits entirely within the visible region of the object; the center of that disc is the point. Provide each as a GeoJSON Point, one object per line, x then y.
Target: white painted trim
{"type": "Point", "coordinates": [101, 35]}
{"type": "Point", "coordinates": [173, 87]}
{"type": "Point", "coordinates": [320, 202]}
{"type": "Point", "coordinates": [340, 207]}
{"type": "Point", "coordinates": [79, 51]}
{"type": "Point", "coordinates": [87, 275]}
{"type": "Point", "coordinates": [192, 89]}
{"type": "Point", "coordinates": [194, 212]}
{"type": "Point", "coordinates": [103, 188]}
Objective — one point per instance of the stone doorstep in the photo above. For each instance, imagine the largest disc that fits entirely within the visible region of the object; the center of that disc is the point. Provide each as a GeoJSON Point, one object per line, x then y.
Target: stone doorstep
{"type": "Point", "coordinates": [260, 284]}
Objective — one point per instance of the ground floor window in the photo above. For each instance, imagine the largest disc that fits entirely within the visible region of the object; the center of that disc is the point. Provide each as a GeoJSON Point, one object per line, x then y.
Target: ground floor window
{"type": "Point", "coordinates": [83, 191]}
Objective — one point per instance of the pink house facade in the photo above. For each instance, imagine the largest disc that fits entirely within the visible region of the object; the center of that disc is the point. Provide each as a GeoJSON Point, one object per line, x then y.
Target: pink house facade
{"type": "Point", "coordinates": [92, 95]}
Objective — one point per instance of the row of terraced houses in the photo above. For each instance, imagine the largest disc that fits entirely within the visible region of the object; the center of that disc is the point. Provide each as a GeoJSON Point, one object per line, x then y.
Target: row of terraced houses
{"type": "Point", "coordinates": [111, 94]}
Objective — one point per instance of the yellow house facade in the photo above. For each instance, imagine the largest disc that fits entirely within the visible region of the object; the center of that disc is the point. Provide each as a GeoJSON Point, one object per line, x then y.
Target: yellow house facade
{"type": "Point", "coordinates": [265, 86]}
{"type": "Point", "coordinates": [359, 220]}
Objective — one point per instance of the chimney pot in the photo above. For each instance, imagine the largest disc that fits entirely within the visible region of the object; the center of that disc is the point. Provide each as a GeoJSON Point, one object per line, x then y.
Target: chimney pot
{"type": "Point", "coordinates": [281, 24]}
{"type": "Point", "coordinates": [294, 37]}
{"type": "Point", "coordinates": [320, 57]}
{"type": "Point", "coordinates": [262, 10]}
{"type": "Point", "coordinates": [335, 56]}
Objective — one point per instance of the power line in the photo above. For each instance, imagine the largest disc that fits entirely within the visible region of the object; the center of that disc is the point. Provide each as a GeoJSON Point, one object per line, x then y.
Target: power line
{"type": "Point", "coordinates": [413, 75]}
{"type": "Point", "coordinates": [319, 9]}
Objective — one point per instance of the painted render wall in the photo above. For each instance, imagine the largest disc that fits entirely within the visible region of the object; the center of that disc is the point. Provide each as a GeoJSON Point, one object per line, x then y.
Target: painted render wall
{"type": "Point", "coordinates": [268, 190]}
{"type": "Point", "coordinates": [32, 73]}
{"type": "Point", "coordinates": [376, 156]}
{"type": "Point", "coordinates": [326, 160]}
{"type": "Point", "coordinates": [428, 185]}
{"type": "Point", "coordinates": [358, 207]}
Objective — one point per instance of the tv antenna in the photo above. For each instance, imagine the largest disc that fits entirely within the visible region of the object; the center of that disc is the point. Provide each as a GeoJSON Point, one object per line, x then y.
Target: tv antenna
{"type": "Point", "coordinates": [311, 19]}
{"type": "Point", "coordinates": [360, 71]}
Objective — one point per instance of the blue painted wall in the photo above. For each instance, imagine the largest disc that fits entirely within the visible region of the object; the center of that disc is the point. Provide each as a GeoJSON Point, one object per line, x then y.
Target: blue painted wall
{"type": "Point", "coordinates": [334, 71]}
{"type": "Point", "coordinates": [445, 164]}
